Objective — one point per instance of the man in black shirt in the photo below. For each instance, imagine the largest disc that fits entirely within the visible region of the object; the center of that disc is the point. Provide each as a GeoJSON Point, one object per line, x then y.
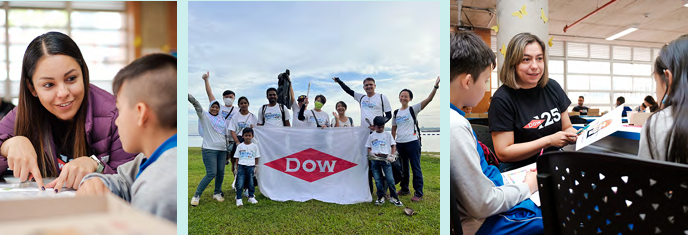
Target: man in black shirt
{"type": "Point", "coordinates": [580, 108]}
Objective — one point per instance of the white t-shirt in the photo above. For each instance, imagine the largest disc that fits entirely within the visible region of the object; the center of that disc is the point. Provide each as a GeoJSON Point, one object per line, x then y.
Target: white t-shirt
{"type": "Point", "coordinates": [341, 124]}
{"type": "Point", "coordinates": [404, 123]}
{"type": "Point", "coordinates": [295, 118]}
{"type": "Point", "coordinates": [321, 116]}
{"type": "Point", "coordinates": [239, 122]}
{"type": "Point", "coordinates": [273, 115]}
{"type": "Point", "coordinates": [380, 142]}
{"type": "Point", "coordinates": [247, 154]}
{"type": "Point", "coordinates": [211, 138]}
{"type": "Point", "coordinates": [372, 106]}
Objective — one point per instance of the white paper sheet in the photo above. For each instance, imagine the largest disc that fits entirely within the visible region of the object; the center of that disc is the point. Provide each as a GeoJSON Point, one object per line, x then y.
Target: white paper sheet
{"type": "Point", "coordinates": [600, 128]}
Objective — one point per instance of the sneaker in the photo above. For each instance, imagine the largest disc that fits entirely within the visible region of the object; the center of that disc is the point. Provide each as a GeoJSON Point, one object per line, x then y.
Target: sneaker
{"type": "Point", "coordinates": [380, 201]}
{"type": "Point", "coordinates": [219, 197]}
{"type": "Point", "coordinates": [195, 200]}
{"type": "Point", "coordinates": [239, 202]}
{"type": "Point", "coordinates": [252, 200]}
{"type": "Point", "coordinates": [416, 199]}
{"type": "Point", "coordinates": [396, 202]}
{"type": "Point", "coordinates": [403, 193]}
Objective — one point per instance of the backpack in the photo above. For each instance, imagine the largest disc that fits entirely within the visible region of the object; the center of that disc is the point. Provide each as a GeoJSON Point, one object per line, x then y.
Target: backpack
{"type": "Point", "coordinates": [490, 157]}
{"type": "Point", "coordinates": [281, 107]}
{"type": "Point", "coordinates": [415, 122]}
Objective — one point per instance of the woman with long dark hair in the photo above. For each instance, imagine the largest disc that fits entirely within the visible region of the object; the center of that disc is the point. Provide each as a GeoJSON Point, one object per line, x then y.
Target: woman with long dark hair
{"type": "Point", "coordinates": [61, 119]}
{"type": "Point", "coordinates": [665, 133]}
{"type": "Point", "coordinates": [651, 103]}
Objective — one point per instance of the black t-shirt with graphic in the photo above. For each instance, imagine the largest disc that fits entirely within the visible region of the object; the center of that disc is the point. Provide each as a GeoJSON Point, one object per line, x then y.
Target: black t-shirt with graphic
{"type": "Point", "coordinates": [530, 113]}
{"type": "Point", "coordinates": [582, 109]}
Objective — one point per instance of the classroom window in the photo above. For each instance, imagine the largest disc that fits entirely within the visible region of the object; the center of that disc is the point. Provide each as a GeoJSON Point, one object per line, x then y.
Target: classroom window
{"type": "Point", "coordinates": [98, 28]}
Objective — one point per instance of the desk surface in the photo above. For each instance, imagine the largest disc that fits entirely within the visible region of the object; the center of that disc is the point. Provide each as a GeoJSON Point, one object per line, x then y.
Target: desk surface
{"type": "Point", "coordinates": [12, 189]}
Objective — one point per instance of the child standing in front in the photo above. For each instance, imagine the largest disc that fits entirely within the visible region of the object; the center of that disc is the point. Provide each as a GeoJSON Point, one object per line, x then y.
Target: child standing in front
{"type": "Point", "coordinates": [381, 144]}
{"type": "Point", "coordinates": [248, 154]}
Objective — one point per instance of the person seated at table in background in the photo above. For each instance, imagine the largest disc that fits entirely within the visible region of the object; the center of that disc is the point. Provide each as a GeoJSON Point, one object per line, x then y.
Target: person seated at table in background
{"type": "Point", "coordinates": [581, 108]}
{"type": "Point", "coordinates": [148, 125]}
{"type": "Point", "coordinates": [467, 109]}
{"type": "Point", "coordinates": [651, 103]}
{"type": "Point", "coordinates": [620, 101]}
{"type": "Point", "coordinates": [486, 205]}
{"type": "Point", "coordinates": [61, 119]}
{"type": "Point", "coordinates": [528, 114]}
{"type": "Point", "coordinates": [663, 135]}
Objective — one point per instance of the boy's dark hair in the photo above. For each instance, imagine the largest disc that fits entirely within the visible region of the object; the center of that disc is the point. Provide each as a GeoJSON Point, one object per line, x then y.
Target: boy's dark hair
{"type": "Point", "coordinates": [407, 90]}
{"type": "Point", "coordinates": [270, 89]}
{"type": "Point", "coordinates": [152, 74]}
{"type": "Point", "coordinates": [621, 99]}
{"type": "Point", "coordinates": [248, 130]}
{"type": "Point", "coordinates": [322, 98]}
{"type": "Point", "coordinates": [228, 92]}
{"type": "Point", "coordinates": [368, 79]}
{"type": "Point", "coordinates": [469, 54]}
{"type": "Point", "coordinates": [581, 97]}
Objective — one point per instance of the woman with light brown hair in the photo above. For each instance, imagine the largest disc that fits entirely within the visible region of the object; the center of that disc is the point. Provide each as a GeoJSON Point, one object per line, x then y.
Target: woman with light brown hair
{"type": "Point", "coordinates": [63, 126]}
{"type": "Point", "coordinates": [528, 113]}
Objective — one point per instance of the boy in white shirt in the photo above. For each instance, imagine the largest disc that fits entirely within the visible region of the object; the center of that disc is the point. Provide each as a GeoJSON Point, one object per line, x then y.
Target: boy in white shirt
{"type": "Point", "coordinates": [381, 145]}
{"type": "Point", "coordinates": [248, 154]}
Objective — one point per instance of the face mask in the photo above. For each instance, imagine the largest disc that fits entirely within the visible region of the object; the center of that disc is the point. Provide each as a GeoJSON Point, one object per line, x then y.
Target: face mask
{"type": "Point", "coordinates": [318, 105]}
{"type": "Point", "coordinates": [228, 101]}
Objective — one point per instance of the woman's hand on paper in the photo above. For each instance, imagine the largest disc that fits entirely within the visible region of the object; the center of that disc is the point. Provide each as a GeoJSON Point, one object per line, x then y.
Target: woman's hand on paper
{"type": "Point", "coordinates": [562, 138]}
{"type": "Point", "coordinates": [22, 159]}
{"type": "Point", "coordinates": [92, 186]}
{"type": "Point", "coordinates": [73, 172]}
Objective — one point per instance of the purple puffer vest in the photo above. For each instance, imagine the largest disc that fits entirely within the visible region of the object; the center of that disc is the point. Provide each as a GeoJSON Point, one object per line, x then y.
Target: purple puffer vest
{"type": "Point", "coordinates": [101, 132]}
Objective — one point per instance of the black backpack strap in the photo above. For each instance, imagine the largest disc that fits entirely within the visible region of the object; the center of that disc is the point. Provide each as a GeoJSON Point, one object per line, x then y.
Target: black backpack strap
{"type": "Point", "coordinates": [316, 119]}
{"type": "Point", "coordinates": [265, 106]}
{"type": "Point", "coordinates": [351, 121]}
{"type": "Point", "coordinates": [230, 112]}
{"type": "Point", "coordinates": [395, 114]}
{"type": "Point", "coordinates": [382, 102]}
{"type": "Point", "coordinates": [284, 120]}
{"type": "Point", "coordinates": [415, 122]}
{"type": "Point", "coordinates": [359, 101]}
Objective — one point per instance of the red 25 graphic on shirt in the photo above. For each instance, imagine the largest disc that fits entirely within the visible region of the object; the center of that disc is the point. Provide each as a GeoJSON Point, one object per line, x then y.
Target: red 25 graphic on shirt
{"type": "Point", "coordinates": [548, 118]}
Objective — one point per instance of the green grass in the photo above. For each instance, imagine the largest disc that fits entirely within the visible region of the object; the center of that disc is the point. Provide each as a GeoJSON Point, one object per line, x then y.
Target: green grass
{"type": "Point", "coordinates": [311, 217]}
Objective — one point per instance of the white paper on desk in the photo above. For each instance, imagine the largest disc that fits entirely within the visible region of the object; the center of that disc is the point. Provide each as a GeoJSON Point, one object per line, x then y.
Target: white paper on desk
{"type": "Point", "coordinates": [13, 189]}
{"type": "Point", "coordinates": [600, 128]}
{"type": "Point", "coordinates": [519, 176]}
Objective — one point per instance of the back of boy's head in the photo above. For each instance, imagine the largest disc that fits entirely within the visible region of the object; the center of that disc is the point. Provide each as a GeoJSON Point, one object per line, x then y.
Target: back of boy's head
{"type": "Point", "coordinates": [469, 55]}
{"type": "Point", "coordinates": [151, 79]}
{"type": "Point", "coordinates": [248, 130]}
{"type": "Point", "coordinates": [379, 121]}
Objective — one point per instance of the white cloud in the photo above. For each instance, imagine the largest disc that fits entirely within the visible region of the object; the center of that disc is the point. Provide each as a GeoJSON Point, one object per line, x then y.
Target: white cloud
{"type": "Point", "coordinates": [245, 45]}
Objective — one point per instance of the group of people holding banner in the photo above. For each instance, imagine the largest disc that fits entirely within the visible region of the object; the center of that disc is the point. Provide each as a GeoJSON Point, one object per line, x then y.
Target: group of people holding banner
{"type": "Point", "coordinates": [222, 126]}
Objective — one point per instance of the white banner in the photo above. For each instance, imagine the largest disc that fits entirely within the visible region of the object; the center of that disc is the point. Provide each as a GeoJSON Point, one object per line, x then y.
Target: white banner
{"type": "Point", "coordinates": [301, 164]}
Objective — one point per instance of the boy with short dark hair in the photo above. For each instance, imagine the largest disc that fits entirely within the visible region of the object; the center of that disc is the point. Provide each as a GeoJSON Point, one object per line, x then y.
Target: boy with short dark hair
{"type": "Point", "coordinates": [146, 124]}
{"type": "Point", "coordinates": [486, 204]}
{"type": "Point", "coordinates": [248, 154]}
{"type": "Point", "coordinates": [381, 148]}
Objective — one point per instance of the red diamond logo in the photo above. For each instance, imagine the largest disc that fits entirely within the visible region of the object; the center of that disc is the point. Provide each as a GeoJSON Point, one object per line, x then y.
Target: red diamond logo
{"type": "Point", "coordinates": [310, 165]}
{"type": "Point", "coordinates": [533, 124]}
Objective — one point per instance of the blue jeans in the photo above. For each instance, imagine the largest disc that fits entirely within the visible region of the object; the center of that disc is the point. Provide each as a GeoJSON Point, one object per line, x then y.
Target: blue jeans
{"type": "Point", "coordinates": [410, 152]}
{"type": "Point", "coordinates": [245, 174]}
{"type": "Point", "coordinates": [378, 167]}
{"type": "Point", "coordinates": [214, 161]}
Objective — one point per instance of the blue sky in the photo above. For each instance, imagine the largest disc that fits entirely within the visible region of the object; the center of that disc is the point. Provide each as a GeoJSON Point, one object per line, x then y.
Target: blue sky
{"type": "Point", "coordinates": [245, 45]}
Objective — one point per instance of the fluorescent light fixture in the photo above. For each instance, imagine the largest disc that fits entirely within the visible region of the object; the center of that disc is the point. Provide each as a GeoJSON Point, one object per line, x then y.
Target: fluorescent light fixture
{"type": "Point", "coordinates": [686, 5]}
{"type": "Point", "coordinates": [622, 33]}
